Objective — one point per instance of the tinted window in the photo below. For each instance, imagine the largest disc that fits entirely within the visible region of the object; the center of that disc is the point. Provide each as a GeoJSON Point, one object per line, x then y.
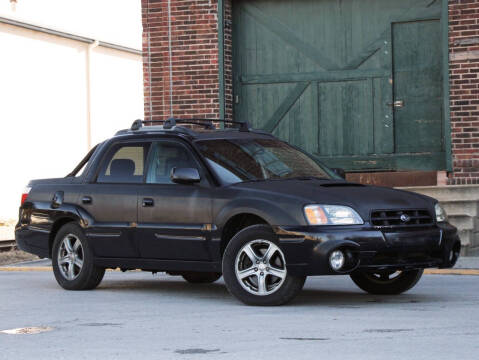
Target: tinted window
{"type": "Point", "coordinates": [164, 157]}
{"type": "Point", "coordinates": [124, 164]}
{"type": "Point", "coordinates": [237, 160]}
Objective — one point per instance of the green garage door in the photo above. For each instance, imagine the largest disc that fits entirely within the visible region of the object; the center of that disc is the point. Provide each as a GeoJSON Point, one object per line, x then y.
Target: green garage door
{"type": "Point", "coordinates": [356, 82]}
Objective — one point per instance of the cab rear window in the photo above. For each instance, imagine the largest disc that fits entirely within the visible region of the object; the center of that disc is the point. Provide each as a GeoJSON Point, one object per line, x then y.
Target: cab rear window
{"type": "Point", "coordinates": [125, 163]}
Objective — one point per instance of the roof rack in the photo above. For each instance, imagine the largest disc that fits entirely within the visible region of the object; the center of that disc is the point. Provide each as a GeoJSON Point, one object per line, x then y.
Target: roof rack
{"type": "Point", "coordinates": [171, 122]}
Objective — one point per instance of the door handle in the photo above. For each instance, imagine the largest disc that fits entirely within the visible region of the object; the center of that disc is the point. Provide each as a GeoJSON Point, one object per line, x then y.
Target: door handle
{"type": "Point", "coordinates": [397, 104]}
{"type": "Point", "coordinates": [148, 202]}
{"type": "Point", "coordinates": [86, 200]}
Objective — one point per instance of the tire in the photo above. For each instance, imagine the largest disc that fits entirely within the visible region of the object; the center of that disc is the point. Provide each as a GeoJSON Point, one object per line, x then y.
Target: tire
{"type": "Point", "coordinates": [261, 287]}
{"type": "Point", "coordinates": [201, 277]}
{"type": "Point", "coordinates": [85, 277]}
{"type": "Point", "coordinates": [383, 284]}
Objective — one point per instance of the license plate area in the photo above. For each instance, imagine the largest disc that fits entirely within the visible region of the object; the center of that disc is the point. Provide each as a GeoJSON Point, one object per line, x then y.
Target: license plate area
{"type": "Point", "coordinates": [427, 239]}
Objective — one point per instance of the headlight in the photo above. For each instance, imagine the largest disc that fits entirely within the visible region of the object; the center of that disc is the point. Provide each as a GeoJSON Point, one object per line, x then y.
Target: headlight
{"type": "Point", "coordinates": [441, 215]}
{"type": "Point", "coordinates": [331, 215]}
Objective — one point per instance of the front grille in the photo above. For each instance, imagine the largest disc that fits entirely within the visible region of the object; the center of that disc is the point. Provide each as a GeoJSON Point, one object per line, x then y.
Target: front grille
{"type": "Point", "coordinates": [401, 218]}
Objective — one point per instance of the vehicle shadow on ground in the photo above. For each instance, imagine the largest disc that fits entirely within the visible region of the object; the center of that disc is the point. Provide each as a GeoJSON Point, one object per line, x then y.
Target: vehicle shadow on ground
{"type": "Point", "coordinates": [168, 287]}
{"type": "Point", "coordinates": [356, 298]}
{"type": "Point", "coordinates": [307, 297]}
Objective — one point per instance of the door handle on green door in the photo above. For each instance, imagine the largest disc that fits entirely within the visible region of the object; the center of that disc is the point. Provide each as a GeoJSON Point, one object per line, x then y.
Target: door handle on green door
{"type": "Point", "coordinates": [397, 104]}
{"type": "Point", "coordinates": [148, 202]}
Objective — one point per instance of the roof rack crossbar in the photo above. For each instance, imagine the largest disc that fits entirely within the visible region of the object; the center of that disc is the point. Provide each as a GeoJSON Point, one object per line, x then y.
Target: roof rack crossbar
{"type": "Point", "coordinates": [171, 122]}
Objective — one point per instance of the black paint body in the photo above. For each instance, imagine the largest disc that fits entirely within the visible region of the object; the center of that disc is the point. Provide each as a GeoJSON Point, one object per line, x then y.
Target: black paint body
{"type": "Point", "coordinates": [183, 226]}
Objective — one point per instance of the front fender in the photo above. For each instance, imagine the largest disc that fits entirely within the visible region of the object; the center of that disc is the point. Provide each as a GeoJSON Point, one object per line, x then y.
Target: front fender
{"type": "Point", "coordinates": [268, 210]}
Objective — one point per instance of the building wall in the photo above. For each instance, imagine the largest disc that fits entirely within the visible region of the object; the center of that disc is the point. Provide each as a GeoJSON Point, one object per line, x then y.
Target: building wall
{"type": "Point", "coordinates": [194, 89]}
{"type": "Point", "coordinates": [89, 18]}
{"type": "Point", "coordinates": [464, 90]}
{"type": "Point", "coordinates": [195, 70]}
{"type": "Point", "coordinates": [228, 58]}
{"type": "Point", "coordinates": [43, 89]}
{"type": "Point", "coordinates": [44, 105]}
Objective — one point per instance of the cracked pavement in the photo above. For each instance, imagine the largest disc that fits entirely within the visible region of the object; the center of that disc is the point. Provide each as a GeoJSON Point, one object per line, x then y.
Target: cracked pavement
{"type": "Point", "coordinates": [139, 315]}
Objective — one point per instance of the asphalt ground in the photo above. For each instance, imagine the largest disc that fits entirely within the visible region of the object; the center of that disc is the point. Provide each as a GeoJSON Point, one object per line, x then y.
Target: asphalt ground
{"type": "Point", "coordinates": [138, 315]}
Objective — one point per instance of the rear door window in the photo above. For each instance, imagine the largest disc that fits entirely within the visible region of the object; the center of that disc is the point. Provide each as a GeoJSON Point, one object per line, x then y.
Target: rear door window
{"type": "Point", "coordinates": [125, 163]}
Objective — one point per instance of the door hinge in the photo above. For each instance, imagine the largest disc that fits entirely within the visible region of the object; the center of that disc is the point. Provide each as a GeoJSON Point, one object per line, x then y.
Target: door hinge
{"type": "Point", "coordinates": [237, 99]}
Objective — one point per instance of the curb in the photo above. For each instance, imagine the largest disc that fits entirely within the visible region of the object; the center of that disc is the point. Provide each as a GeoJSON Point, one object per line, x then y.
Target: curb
{"type": "Point", "coordinates": [26, 268]}
{"type": "Point", "coordinates": [451, 271]}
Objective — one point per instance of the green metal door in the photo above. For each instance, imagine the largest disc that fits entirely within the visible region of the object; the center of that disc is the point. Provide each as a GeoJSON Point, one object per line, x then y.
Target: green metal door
{"type": "Point", "coordinates": [356, 82]}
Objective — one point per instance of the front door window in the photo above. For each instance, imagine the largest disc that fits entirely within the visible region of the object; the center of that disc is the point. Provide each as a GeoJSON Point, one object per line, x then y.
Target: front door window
{"type": "Point", "coordinates": [166, 156]}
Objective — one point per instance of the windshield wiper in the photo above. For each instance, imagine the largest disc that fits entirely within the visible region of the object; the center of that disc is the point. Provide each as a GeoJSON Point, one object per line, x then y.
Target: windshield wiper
{"type": "Point", "coordinates": [283, 179]}
{"type": "Point", "coordinates": [250, 180]}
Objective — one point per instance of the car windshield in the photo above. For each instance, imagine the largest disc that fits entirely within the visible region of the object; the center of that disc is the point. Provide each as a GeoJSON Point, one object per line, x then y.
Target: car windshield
{"type": "Point", "coordinates": [238, 160]}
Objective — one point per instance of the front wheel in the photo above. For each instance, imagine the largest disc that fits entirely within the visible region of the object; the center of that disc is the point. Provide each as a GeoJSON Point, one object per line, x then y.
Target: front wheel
{"type": "Point", "coordinates": [254, 268]}
{"type": "Point", "coordinates": [386, 282]}
{"type": "Point", "coordinates": [72, 260]}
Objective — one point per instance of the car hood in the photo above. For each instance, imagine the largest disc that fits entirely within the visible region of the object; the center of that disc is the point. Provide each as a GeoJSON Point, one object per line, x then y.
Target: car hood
{"type": "Point", "coordinates": [362, 198]}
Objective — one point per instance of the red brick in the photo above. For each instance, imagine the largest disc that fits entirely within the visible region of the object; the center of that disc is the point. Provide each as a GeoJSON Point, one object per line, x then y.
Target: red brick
{"type": "Point", "coordinates": [194, 40]}
{"type": "Point", "coordinates": [464, 92]}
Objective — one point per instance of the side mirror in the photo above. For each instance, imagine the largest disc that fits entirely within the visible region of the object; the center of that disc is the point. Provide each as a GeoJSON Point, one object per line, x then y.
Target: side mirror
{"type": "Point", "coordinates": [185, 175]}
{"type": "Point", "coordinates": [340, 172]}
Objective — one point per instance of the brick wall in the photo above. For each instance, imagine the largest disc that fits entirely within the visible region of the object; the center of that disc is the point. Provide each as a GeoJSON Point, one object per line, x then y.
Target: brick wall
{"type": "Point", "coordinates": [464, 90]}
{"type": "Point", "coordinates": [228, 54]}
{"type": "Point", "coordinates": [194, 40]}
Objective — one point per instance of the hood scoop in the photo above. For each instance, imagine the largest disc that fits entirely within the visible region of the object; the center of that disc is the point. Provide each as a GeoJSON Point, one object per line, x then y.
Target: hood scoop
{"type": "Point", "coordinates": [340, 184]}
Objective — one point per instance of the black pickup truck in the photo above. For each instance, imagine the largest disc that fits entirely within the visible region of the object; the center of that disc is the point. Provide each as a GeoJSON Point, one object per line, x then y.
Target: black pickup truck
{"type": "Point", "coordinates": [204, 202]}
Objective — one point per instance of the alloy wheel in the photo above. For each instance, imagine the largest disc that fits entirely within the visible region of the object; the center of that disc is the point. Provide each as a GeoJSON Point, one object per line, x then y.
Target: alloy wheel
{"type": "Point", "coordinates": [385, 276]}
{"type": "Point", "coordinates": [260, 267]}
{"type": "Point", "coordinates": [70, 257]}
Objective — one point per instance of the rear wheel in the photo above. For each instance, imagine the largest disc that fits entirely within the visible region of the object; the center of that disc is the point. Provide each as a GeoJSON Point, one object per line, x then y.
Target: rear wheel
{"type": "Point", "coordinates": [386, 282]}
{"type": "Point", "coordinates": [72, 260]}
{"type": "Point", "coordinates": [254, 268]}
{"type": "Point", "coordinates": [201, 277]}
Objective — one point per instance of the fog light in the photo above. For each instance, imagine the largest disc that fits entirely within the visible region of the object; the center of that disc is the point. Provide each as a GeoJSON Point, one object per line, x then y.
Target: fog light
{"type": "Point", "coordinates": [336, 260]}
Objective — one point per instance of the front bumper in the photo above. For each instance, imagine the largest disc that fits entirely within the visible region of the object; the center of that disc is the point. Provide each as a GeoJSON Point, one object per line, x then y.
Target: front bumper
{"type": "Point", "coordinates": [307, 248]}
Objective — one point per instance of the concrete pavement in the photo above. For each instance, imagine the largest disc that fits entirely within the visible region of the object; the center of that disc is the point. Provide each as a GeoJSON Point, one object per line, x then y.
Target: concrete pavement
{"type": "Point", "coordinates": [138, 315]}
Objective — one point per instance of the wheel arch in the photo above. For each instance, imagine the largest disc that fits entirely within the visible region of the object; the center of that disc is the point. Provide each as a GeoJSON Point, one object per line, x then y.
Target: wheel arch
{"type": "Point", "coordinates": [57, 225]}
{"type": "Point", "coordinates": [247, 211]}
{"type": "Point", "coordinates": [235, 224]}
{"type": "Point", "coordinates": [63, 215]}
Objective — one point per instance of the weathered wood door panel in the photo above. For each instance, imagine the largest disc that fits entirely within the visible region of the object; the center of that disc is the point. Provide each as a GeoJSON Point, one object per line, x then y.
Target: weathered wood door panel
{"type": "Point", "coordinates": [324, 75]}
{"type": "Point", "coordinates": [345, 118]}
{"type": "Point", "coordinates": [418, 83]}
{"type": "Point", "coordinates": [283, 109]}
